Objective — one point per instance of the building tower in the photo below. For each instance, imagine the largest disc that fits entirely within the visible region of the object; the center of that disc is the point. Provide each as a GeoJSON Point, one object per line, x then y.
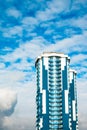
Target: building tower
{"type": "Point", "coordinates": [53, 91]}
{"type": "Point", "coordinates": [73, 114]}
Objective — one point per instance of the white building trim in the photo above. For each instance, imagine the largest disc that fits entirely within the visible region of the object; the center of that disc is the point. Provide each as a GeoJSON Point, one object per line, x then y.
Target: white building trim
{"type": "Point", "coordinates": [41, 123]}
{"type": "Point", "coordinates": [66, 102]}
{"type": "Point", "coordinates": [44, 102]}
{"type": "Point", "coordinates": [41, 76]}
{"type": "Point", "coordinates": [46, 62]}
{"type": "Point", "coordinates": [63, 63]}
{"type": "Point", "coordinates": [74, 110]}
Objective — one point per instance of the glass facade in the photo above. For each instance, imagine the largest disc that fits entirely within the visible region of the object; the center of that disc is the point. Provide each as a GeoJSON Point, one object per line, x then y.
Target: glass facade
{"type": "Point", "coordinates": [53, 99]}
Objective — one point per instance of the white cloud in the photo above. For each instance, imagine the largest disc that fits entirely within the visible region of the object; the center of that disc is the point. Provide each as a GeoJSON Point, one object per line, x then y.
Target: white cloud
{"type": "Point", "coordinates": [13, 31]}
{"type": "Point", "coordinates": [7, 49]}
{"type": "Point", "coordinates": [81, 69]}
{"type": "Point", "coordinates": [8, 100]}
{"type": "Point", "coordinates": [54, 7]}
{"type": "Point", "coordinates": [82, 106]}
{"type": "Point", "coordinates": [24, 115]}
{"type": "Point", "coordinates": [82, 94]}
{"type": "Point", "coordinates": [13, 12]}
{"type": "Point", "coordinates": [68, 45]}
{"type": "Point", "coordinates": [58, 6]}
{"type": "Point", "coordinates": [37, 45]}
{"type": "Point", "coordinates": [23, 65]}
{"type": "Point", "coordinates": [80, 4]}
{"type": "Point", "coordinates": [50, 31]}
{"type": "Point", "coordinates": [82, 121]}
{"type": "Point", "coordinates": [19, 123]}
{"type": "Point", "coordinates": [80, 22]}
{"type": "Point", "coordinates": [27, 50]}
{"type": "Point", "coordinates": [78, 58]}
{"type": "Point", "coordinates": [10, 78]}
{"type": "Point", "coordinates": [29, 24]}
{"type": "Point", "coordinates": [29, 21]}
{"type": "Point", "coordinates": [2, 65]}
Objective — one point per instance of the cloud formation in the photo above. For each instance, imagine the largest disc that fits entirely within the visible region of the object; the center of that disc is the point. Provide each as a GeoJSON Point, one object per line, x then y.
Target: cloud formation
{"type": "Point", "coordinates": [25, 32]}
{"type": "Point", "coordinates": [8, 101]}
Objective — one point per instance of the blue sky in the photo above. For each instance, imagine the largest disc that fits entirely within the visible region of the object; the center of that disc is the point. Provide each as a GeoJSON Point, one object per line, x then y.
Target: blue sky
{"type": "Point", "coordinates": [28, 28]}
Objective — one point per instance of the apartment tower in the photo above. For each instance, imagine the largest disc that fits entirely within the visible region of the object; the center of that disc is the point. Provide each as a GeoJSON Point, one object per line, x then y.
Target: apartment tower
{"type": "Point", "coordinates": [56, 97]}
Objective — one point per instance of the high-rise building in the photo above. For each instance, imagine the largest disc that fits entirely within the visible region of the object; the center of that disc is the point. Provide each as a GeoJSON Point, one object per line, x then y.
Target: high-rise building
{"type": "Point", "coordinates": [73, 114]}
{"type": "Point", "coordinates": [56, 93]}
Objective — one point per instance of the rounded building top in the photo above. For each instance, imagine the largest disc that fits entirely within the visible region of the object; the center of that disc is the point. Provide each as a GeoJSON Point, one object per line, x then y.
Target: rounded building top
{"type": "Point", "coordinates": [49, 54]}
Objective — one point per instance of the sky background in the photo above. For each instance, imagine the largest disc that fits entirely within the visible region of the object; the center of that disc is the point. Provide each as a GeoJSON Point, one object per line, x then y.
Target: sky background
{"type": "Point", "coordinates": [28, 28]}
